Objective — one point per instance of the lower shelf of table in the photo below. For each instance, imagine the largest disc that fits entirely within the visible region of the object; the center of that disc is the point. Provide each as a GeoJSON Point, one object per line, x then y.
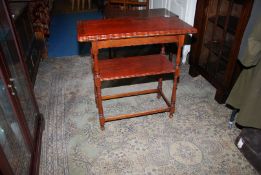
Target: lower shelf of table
{"type": "Point", "coordinates": [139, 66]}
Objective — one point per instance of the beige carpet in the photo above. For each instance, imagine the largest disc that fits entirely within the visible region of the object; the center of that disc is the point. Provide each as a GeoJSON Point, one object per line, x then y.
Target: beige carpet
{"type": "Point", "coordinates": [195, 141]}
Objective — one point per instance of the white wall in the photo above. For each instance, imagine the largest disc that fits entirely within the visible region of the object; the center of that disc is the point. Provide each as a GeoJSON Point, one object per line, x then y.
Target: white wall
{"type": "Point", "coordinates": [185, 9]}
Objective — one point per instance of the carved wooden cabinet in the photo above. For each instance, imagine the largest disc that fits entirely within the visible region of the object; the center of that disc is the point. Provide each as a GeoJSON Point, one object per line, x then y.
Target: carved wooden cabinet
{"type": "Point", "coordinates": [221, 25]}
{"type": "Point", "coordinates": [21, 123]}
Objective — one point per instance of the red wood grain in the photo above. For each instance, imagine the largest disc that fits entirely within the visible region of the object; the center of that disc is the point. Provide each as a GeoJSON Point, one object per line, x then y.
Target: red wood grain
{"type": "Point", "coordinates": [129, 27]}
{"type": "Point", "coordinates": [119, 68]}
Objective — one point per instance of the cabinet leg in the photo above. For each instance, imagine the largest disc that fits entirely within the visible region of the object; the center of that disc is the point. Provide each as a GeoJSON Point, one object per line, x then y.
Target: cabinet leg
{"type": "Point", "coordinates": [192, 71]}
{"type": "Point", "coordinates": [221, 96]}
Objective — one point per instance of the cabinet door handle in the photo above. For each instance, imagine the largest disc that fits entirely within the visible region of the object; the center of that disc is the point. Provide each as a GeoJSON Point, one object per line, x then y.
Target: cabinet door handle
{"type": "Point", "coordinates": [11, 88]}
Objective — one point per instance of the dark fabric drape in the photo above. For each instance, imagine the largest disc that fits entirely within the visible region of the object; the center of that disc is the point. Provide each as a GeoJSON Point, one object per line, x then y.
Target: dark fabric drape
{"type": "Point", "coordinates": [246, 93]}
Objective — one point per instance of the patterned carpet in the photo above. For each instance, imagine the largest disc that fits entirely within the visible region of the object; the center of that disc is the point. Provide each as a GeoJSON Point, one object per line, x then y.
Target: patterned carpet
{"type": "Point", "coordinates": [195, 141]}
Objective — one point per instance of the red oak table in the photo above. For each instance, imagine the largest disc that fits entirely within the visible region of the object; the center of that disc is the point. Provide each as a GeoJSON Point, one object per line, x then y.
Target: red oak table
{"type": "Point", "coordinates": [132, 31]}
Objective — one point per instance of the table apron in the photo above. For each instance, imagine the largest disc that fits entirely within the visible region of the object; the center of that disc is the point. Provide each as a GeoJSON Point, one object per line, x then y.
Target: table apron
{"type": "Point", "coordinates": [102, 44]}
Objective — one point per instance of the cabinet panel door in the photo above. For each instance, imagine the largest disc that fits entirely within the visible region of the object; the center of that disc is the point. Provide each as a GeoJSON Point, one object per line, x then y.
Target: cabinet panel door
{"type": "Point", "coordinates": [12, 56]}
{"type": "Point", "coordinates": [11, 139]}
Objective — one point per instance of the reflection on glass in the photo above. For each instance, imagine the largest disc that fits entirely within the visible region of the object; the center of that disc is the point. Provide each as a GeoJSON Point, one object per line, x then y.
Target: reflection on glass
{"type": "Point", "coordinates": [19, 81]}
{"type": "Point", "coordinates": [167, 9]}
{"type": "Point", "coordinates": [11, 140]}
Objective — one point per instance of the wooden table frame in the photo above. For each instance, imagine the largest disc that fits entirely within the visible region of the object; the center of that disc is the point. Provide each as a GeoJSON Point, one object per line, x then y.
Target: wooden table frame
{"type": "Point", "coordinates": [104, 70]}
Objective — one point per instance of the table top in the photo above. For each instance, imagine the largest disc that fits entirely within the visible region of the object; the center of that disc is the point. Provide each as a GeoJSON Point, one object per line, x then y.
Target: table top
{"type": "Point", "coordinates": [131, 27]}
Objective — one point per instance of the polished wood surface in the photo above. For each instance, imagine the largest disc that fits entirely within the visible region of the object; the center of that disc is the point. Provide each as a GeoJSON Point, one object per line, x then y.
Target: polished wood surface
{"type": "Point", "coordinates": [112, 69]}
{"type": "Point", "coordinates": [120, 28]}
{"type": "Point", "coordinates": [133, 31]}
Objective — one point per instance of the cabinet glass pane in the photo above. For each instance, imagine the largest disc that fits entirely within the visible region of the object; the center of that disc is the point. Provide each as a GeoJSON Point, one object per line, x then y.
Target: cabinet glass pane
{"type": "Point", "coordinates": [19, 80]}
{"type": "Point", "coordinates": [11, 139]}
{"type": "Point", "coordinates": [222, 20]}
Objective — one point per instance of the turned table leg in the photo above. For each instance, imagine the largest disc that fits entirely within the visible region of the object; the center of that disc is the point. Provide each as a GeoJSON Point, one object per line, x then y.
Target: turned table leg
{"type": "Point", "coordinates": [176, 75]}
{"type": "Point", "coordinates": [97, 84]}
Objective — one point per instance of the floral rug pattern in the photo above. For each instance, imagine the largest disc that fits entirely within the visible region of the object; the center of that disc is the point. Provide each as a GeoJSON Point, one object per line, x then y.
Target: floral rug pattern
{"type": "Point", "coordinates": [195, 141]}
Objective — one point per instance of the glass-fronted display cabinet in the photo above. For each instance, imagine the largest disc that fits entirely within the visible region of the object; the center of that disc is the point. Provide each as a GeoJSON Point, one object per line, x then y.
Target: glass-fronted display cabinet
{"type": "Point", "coordinates": [21, 124]}
{"type": "Point", "coordinates": [221, 25]}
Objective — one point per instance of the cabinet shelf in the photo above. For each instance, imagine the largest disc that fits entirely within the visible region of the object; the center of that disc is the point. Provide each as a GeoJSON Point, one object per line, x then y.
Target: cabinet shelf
{"type": "Point", "coordinates": [216, 69]}
{"type": "Point", "coordinates": [221, 21]}
{"type": "Point", "coordinates": [219, 49]}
